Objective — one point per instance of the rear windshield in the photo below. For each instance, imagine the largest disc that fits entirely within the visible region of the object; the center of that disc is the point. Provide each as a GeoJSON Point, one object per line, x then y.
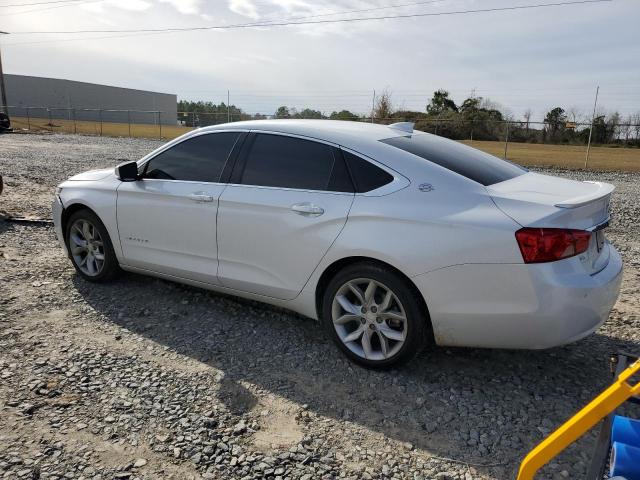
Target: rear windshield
{"type": "Point", "coordinates": [457, 157]}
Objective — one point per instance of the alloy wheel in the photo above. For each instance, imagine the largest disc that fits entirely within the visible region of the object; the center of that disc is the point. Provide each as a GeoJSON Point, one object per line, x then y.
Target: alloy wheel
{"type": "Point", "coordinates": [369, 319]}
{"type": "Point", "coordinates": [87, 247]}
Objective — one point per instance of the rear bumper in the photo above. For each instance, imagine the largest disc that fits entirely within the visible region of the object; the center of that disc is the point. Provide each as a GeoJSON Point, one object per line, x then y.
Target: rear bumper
{"type": "Point", "coordinates": [519, 306]}
{"type": "Point", "coordinates": [56, 209]}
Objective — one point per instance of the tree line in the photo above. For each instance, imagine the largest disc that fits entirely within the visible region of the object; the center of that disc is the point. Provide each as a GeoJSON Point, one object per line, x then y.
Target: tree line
{"type": "Point", "coordinates": [476, 118]}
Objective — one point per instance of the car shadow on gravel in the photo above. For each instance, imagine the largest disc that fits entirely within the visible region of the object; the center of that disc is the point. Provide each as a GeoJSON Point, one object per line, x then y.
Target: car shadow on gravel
{"type": "Point", "coordinates": [476, 406]}
{"type": "Point", "coordinates": [4, 224]}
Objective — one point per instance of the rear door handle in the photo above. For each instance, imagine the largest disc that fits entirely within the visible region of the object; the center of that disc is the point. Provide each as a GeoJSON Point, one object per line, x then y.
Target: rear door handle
{"type": "Point", "coordinates": [200, 197]}
{"type": "Point", "coordinates": [307, 209]}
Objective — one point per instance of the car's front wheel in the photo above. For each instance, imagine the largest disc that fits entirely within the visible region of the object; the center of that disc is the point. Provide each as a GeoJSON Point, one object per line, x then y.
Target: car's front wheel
{"type": "Point", "coordinates": [373, 315]}
{"type": "Point", "coordinates": [90, 247]}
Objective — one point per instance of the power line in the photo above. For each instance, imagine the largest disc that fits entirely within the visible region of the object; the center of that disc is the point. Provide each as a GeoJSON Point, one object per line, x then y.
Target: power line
{"type": "Point", "coordinates": [316, 22]}
{"type": "Point", "coordinates": [52, 7]}
{"type": "Point", "coordinates": [362, 10]}
{"type": "Point", "coordinates": [37, 3]}
{"type": "Point", "coordinates": [344, 12]}
{"type": "Point", "coordinates": [71, 3]}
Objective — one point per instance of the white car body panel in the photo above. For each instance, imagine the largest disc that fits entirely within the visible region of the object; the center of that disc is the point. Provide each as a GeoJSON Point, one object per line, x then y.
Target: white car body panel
{"type": "Point", "coordinates": [267, 248]}
{"type": "Point", "coordinates": [426, 223]}
{"type": "Point", "coordinates": [454, 239]}
{"type": "Point", "coordinates": [99, 196]}
{"type": "Point", "coordinates": [542, 200]}
{"type": "Point", "coordinates": [92, 175]}
{"type": "Point", "coordinates": [520, 306]}
{"type": "Point", "coordinates": [163, 228]}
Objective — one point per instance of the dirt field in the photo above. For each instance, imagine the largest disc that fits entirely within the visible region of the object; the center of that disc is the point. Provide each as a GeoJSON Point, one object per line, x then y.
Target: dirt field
{"type": "Point", "coordinates": [564, 156]}
{"type": "Point", "coordinates": [147, 379]}
{"type": "Point", "coordinates": [107, 129]}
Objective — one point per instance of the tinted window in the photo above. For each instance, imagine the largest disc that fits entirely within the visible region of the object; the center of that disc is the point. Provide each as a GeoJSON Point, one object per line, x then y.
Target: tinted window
{"type": "Point", "coordinates": [340, 179]}
{"type": "Point", "coordinates": [366, 175]}
{"type": "Point", "coordinates": [457, 157]}
{"type": "Point", "coordinates": [280, 161]}
{"type": "Point", "coordinates": [199, 159]}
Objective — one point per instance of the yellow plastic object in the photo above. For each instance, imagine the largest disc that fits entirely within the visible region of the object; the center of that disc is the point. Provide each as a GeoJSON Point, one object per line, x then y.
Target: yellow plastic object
{"type": "Point", "coordinates": [581, 422]}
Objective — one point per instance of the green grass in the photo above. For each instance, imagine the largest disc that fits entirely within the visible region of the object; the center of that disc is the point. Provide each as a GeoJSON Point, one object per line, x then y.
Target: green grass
{"type": "Point", "coordinates": [566, 156]}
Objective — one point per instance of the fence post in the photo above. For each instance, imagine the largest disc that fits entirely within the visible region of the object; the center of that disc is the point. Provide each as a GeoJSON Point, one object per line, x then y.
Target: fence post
{"type": "Point", "coordinates": [506, 140]}
{"type": "Point", "coordinates": [28, 120]}
{"type": "Point", "coordinates": [100, 114]}
{"type": "Point", "coordinates": [50, 121]}
{"type": "Point", "coordinates": [160, 124]}
{"type": "Point", "coordinates": [129, 121]}
{"type": "Point", "coordinates": [595, 103]}
{"type": "Point", "coordinates": [75, 127]}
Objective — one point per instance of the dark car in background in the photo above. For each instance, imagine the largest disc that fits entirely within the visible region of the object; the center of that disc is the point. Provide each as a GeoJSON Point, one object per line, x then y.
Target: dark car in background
{"type": "Point", "coordinates": [5, 123]}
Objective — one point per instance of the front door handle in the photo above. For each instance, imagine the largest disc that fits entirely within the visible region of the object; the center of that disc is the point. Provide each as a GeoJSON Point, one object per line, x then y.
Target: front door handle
{"type": "Point", "coordinates": [307, 209]}
{"type": "Point", "coordinates": [200, 197]}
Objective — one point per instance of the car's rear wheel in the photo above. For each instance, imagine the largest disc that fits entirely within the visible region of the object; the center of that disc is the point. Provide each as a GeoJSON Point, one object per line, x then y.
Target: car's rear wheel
{"type": "Point", "coordinates": [90, 247]}
{"type": "Point", "coordinates": [373, 315]}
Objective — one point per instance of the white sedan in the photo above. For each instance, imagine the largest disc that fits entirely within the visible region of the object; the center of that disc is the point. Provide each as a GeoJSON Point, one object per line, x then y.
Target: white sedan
{"type": "Point", "coordinates": [392, 238]}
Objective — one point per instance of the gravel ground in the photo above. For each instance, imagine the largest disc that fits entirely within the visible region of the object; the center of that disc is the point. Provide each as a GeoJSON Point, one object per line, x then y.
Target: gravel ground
{"type": "Point", "coordinates": [144, 378]}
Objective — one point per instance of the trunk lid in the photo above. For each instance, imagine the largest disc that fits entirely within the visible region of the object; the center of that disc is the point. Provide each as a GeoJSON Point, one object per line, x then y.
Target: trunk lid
{"type": "Point", "coordinates": [536, 200]}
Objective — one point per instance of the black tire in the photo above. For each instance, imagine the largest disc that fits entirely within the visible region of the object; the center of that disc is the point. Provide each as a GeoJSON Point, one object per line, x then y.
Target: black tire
{"type": "Point", "coordinates": [110, 268]}
{"type": "Point", "coordinates": [417, 319]}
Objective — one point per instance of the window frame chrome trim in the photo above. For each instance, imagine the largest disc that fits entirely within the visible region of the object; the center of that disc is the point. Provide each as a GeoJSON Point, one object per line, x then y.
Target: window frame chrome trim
{"type": "Point", "coordinates": [398, 183]}
{"type": "Point", "coordinates": [177, 141]}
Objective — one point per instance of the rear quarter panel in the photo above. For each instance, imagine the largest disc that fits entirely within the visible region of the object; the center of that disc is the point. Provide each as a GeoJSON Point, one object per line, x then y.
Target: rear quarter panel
{"type": "Point", "coordinates": [454, 223]}
{"type": "Point", "coordinates": [418, 232]}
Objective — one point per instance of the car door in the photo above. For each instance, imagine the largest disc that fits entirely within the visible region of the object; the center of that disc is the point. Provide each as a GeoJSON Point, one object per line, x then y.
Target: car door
{"type": "Point", "coordinates": [167, 220]}
{"type": "Point", "coordinates": [287, 201]}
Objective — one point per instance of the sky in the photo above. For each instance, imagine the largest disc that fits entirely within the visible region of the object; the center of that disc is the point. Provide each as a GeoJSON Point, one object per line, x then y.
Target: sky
{"type": "Point", "coordinates": [534, 59]}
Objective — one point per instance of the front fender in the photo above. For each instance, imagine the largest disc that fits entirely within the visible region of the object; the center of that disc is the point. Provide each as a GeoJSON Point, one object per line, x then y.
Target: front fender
{"type": "Point", "coordinates": [101, 198]}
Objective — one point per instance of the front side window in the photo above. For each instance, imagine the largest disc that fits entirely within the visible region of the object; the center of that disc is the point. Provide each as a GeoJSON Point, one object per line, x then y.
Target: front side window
{"type": "Point", "coordinates": [457, 157]}
{"type": "Point", "coordinates": [197, 159]}
{"type": "Point", "coordinates": [288, 162]}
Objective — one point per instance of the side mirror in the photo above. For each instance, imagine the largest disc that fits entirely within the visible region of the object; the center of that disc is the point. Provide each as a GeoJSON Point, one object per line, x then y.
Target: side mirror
{"type": "Point", "coordinates": [127, 172]}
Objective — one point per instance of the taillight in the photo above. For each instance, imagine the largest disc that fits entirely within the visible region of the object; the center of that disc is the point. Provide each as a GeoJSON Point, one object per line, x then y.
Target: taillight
{"type": "Point", "coordinates": [551, 244]}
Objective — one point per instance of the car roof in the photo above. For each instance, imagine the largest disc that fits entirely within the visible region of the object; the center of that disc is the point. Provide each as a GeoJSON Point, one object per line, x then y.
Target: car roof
{"type": "Point", "coordinates": [336, 131]}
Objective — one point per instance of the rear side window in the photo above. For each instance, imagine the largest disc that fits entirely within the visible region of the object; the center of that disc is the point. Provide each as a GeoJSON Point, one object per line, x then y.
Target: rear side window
{"type": "Point", "coordinates": [457, 157]}
{"type": "Point", "coordinates": [198, 159]}
{"type": "Point", "coordinates": [340, 179]}
{"type": "Point", "coordinates": [366, 175]}
{"type": "Point", "coordinates": [288, 162]}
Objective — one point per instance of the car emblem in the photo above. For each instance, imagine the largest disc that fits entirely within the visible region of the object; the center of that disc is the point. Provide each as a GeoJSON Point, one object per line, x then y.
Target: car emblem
{"type": "Point", "coordinates": [426, 187]}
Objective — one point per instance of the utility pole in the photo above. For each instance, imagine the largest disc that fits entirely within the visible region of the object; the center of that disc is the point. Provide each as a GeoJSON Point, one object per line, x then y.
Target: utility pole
{"type": "Point", "coordinates": [593, 117]}
{"type": "Point", "coordinates": [506, 140]}
{"type": "Point", "coordinates": [373, 105]}
{"type": "Point", "coordinates": [228, 108]}
{"type": "Point", "coordinates": [5, 108]}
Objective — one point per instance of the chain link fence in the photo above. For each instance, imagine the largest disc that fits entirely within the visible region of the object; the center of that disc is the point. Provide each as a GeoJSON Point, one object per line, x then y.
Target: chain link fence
{"type": "Point", "coordinates": [92, 121]}
{"type": "Point", "coordinates": [510, 139]}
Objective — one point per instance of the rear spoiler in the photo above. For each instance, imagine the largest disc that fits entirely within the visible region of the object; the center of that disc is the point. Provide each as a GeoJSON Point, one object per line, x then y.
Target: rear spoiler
{"type": "Point", "coordinates": [603, 190]}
